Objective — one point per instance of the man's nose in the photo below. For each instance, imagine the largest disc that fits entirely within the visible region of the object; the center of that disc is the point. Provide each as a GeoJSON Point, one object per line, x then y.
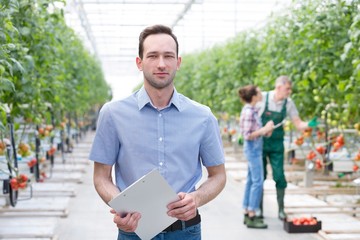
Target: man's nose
{"type": "Point", "coordinates": [161, 62]}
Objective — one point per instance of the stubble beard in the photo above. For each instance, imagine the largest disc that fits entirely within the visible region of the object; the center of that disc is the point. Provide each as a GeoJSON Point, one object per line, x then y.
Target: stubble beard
{"type": "Point", "coordinates": [159, 84]}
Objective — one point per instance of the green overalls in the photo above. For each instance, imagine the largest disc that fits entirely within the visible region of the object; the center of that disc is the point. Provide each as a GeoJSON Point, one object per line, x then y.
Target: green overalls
{"type": "Point", "coordinates": [273, 149]}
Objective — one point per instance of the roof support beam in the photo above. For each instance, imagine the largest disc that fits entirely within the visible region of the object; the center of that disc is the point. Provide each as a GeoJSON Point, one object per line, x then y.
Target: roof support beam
{"type": "Point", "coordinates": [79, 7]}
{"type": "Point", "coordinates": [184, 11]}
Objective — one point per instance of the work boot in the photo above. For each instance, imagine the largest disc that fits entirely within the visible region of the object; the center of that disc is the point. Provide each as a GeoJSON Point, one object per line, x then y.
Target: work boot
{"type": "Point", "coordinates": [246, 218]}
{"type": "Point", "coordinates": [253, 222]}
{"type": "Point", "coordinates": [280, 194]}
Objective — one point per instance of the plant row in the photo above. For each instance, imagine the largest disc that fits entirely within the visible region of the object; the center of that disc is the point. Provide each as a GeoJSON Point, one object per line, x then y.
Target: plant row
{"type": "Point", "coordinates": [44, 66]}
{"type": "Point", "coordinates": [315, 42]}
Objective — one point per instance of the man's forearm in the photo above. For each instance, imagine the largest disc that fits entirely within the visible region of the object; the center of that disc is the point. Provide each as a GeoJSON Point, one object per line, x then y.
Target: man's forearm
{"type": "Point", "coordinates": [106, 189]}
{"type": "Point", "coordinates": [103, 182]}
{"type": "Point", "coordinates": [299, 124]}
{"type": "Point", "coordinates": [214, 184]}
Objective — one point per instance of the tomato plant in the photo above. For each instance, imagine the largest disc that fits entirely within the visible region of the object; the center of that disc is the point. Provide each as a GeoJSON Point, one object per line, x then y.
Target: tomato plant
{"type": "Point", "coordinates": [39, 63]}
{"type": "Point", "coordinates": [316, 43]}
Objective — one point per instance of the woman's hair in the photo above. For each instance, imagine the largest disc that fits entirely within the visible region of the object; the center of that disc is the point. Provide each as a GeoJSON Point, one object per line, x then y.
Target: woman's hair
{"type": "Point", "coordinates": [246, 93]}
{"type": "Point", "coordinates": [155, 29]}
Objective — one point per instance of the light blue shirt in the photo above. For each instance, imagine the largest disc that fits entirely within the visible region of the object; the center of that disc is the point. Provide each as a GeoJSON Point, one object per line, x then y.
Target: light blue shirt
{"type": "Point", "coordinates": [177, 140]}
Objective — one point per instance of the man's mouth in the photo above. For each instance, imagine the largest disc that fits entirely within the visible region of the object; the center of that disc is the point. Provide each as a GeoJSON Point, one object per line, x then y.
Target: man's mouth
{"type": "Point", "coordinates": [161, 74]}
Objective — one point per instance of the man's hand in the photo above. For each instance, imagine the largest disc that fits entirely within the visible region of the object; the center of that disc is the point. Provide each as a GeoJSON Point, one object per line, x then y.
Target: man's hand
{"type": "Point", "coordinates": [127, 223]}
{"type": "Point", "coordinates": [268, 134]}
{"type": "Point", "coordinates": [268, 128]}
{"type": "Point", "coordinates": [313, 122]}
{"type": "Point", "coordinates": [269, 124]}
{"type": "Point", "coordinates": [184, 209]}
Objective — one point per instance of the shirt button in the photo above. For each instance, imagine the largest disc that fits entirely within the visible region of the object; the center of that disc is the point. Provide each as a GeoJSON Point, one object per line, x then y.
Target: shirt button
{"type": "Point", "coordinates": [160, 139]}
{"type": "Point", "coordinates": [161, 163]}
{"type": "Point", "coordinates": [160, 115]}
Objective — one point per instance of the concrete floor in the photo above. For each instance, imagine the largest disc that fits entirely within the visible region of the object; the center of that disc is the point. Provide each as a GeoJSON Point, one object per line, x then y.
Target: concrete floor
{"type": "Point", "coordinates": [89, 216]}
{"type": "Point", "coordinates": [53, 213]}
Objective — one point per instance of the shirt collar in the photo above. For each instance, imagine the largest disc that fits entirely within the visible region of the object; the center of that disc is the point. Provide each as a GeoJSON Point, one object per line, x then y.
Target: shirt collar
{"type": "Point", "coordinates": [144, 99]}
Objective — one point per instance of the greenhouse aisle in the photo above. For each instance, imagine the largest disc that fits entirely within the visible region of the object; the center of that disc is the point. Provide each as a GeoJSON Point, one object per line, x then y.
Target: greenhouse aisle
{"type": "Point", "coordinates": [89, 217]}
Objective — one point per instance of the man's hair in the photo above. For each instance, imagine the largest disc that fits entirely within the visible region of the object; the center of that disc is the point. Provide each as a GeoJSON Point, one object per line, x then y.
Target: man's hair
{"type": "Point", "coordinates": [282, 80]}
{"type": "Point", "coordinates": [155, 29]}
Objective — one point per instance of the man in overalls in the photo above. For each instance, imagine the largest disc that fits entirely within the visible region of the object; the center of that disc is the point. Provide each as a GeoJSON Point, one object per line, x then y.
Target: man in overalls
{"type": "Point", "coordinates": [276, 106]}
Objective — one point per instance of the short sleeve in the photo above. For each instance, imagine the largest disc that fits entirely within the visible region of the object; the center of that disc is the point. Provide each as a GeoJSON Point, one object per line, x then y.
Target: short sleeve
{"type": "Point", "coordinates": [291, 109]}
{"type": "Point", "coordinates": [106, 145]}
{"type": "Point", "coordinates": [211, 150]}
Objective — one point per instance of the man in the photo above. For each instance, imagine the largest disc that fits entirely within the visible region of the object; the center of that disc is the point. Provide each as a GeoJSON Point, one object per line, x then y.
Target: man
{"type": "Point", "coordinates": [276, 105]}
{"type": "Point", "coordinates": [156, 127]}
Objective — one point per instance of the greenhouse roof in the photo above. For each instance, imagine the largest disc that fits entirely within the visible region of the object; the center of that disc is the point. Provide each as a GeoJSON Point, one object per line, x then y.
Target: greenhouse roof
{"type": "Point", "coordinates": [110, 28]}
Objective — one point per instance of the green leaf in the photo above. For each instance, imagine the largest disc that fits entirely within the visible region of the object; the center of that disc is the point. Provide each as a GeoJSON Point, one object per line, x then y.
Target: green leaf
{"type": "Point", "coordinates": [18, 65]}
{"type": "Point", "coordinates": [312, 75]}
{"type": "Point", "coordinates": [25, 31]}
{"type": "Point", "coordinates": [6, 85]}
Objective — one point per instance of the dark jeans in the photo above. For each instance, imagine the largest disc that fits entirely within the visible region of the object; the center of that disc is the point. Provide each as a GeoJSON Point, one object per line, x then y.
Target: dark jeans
{"type": "Point", "coordinates": [189, 233]}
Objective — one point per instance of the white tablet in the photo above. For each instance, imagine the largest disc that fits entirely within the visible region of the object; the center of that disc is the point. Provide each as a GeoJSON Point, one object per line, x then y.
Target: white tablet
{"type": "Point", "coordinates": [149, 196]}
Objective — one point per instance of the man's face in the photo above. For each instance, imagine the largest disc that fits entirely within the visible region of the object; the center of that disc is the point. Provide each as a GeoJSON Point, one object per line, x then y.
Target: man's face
{"type": "Point", "coordinates": [160, 62]}
{"type": "Point", "coordinates": [284, 90]}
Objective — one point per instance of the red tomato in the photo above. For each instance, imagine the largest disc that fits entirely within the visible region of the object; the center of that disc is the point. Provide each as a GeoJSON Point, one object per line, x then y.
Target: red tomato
{"type": "Point", "coordinates": [311, 155]}
{"type": "Point", "coordinates": [355, 167]}
{"type": "Point", "coordinates": [299, 141]}
{"type": "Point", "coordinates": [14, 183]}
{"type": "Point", "coordinates": [296, 221]}
{"type": "Point", "coordinates": [337, 146]}
{"type": "Point", "coordinates": [302, 220]}
{"type": "Point", "coordinates": [320, 149]}
{"type": "Point", "coordinates": [340, 139]}
{"type": "Point", "coordinates": [41, 131]}
{"type": "Point", "coordinates": [318, 164]}
{"type": "Point", "coordinates": [313, 222]}
{"type": "Point", "coordinates": [22, 185]}
{"type": "Point", "coordinates": [32, 162]}
{"type": "Point", "coordinates": [23, 177]}
{"type": "Point", "coordinates": [307, 134]}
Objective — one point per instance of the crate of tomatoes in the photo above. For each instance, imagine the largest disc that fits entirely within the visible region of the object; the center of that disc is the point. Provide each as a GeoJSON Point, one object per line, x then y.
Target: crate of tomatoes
{"type": "Point", "coordinates": [302, 225]}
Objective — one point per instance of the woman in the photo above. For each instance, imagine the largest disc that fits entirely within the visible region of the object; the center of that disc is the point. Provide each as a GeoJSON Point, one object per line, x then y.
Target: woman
{"type": "Point", "coordinates": [252, 131]}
